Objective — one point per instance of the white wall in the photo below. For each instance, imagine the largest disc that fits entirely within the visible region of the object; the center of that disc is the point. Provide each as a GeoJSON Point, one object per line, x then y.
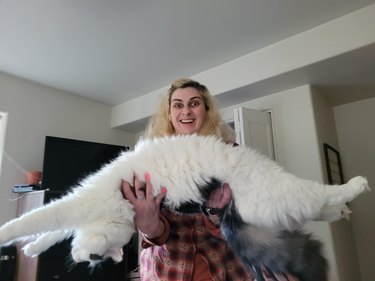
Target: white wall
{"type": "Point", "coordinates": [35, 111]}
{"type": "Point", "coordinates": [355, 124]}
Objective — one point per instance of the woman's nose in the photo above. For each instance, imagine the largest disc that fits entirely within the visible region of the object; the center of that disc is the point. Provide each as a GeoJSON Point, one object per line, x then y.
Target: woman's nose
{"type": "Point", "coordinates": [186, 110]}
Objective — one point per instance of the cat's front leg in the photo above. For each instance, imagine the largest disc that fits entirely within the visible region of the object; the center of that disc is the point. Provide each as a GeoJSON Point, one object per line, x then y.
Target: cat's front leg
{"type": "Point", "coordinates": [105, 242]}
{"type": "Point", "coordinates": [90, 248]}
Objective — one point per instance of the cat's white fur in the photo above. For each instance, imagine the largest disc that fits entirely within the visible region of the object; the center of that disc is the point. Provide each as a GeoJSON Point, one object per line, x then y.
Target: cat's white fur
{"type": "Point", "coordinates": [101, 220]}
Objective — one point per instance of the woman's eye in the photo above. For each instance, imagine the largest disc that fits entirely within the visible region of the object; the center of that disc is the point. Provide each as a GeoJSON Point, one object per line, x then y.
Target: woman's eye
{"type": "Point", "coordinates": [195, 103]}
{"type": "Point", "coordinates": [177, 105]}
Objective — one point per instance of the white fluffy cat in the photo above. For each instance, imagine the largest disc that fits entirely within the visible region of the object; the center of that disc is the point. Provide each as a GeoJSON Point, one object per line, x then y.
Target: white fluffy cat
{"type": "Point", "coordinates": [267, 208]}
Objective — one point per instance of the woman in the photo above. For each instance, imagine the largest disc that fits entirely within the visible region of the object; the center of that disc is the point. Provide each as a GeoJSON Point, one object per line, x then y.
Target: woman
{"type": "Point", "coordinates": [177, 246]}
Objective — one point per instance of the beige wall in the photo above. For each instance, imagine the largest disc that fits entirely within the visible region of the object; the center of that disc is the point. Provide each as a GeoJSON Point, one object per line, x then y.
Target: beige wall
{"type": "Point", "coordinates": [268, 69]}
{"type": "Point", "coordinates": [294, 129]}
{"type": "Point", "coordinates": [303, 120]}
{"type": "Point", "coordinates": [355, 124]}
{"type": "Point", "coordinates": [35, 111]}
{"type": "Point", "coordinates": [342, 231]}
{"type": "Point", "coordinates": [3, 121]}
{"type": "Point", "coordinates": [297, 148]}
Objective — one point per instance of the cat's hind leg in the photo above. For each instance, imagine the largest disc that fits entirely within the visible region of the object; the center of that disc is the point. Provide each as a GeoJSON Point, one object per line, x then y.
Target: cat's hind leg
{"type": "Point", "coordinates": [346, 192]}
{"type": "Point", "coordinates": [45, 241]}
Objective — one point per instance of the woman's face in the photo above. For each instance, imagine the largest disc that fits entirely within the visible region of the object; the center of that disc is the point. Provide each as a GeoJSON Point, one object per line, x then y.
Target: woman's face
{"type": "Point", "coordinates": [188, 111]}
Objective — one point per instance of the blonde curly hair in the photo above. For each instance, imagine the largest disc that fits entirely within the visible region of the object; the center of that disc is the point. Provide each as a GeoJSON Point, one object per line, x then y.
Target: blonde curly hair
{"type": "Point", "coordinates": [160, 125]}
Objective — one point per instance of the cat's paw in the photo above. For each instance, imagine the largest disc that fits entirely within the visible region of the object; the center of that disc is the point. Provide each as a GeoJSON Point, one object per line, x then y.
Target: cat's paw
{"type": "Point", "coordinates": [115, 254]}
{"type": "Point", "coordinates": [32, 249]}
{"type": "Point", "coordinates": [4, 237]}
{"type": "Point", "coordinates": [359, 183]}
{"type": "Point", "coordinates": [82, 255]}
{"type": "Point", "coordinates": [89, 248]}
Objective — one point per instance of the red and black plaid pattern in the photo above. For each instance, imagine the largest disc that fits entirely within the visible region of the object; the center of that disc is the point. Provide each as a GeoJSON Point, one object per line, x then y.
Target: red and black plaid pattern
{"type": "Point", "coordinates": [190, 236]}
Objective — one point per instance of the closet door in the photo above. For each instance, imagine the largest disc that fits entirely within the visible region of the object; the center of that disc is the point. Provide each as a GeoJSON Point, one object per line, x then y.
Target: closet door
{"type": "Point", "coordinates": [254, 128]}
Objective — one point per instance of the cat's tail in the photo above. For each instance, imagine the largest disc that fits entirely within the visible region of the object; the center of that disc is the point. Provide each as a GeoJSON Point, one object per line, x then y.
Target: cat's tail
{"type": "Point", "coordinates": [53, 216]}
{"type": "Point", "coordinates": [278, 252]}
{"type": "Point", "coordinates": [346, 192]}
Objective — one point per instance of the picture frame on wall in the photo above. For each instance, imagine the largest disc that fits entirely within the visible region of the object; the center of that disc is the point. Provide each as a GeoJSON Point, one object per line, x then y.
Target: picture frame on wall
{"type": "Point", "coordinates": [333, 165]}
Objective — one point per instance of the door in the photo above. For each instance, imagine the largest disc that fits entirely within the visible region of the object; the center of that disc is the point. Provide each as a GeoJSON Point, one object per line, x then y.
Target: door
{"type": "Point", "coordinates": [3, 120]}
{"type": "Point", "coordinates": [254, 128]}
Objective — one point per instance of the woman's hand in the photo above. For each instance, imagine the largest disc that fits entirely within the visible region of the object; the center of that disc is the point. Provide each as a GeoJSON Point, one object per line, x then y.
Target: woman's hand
{"type": "Point", "coordinates": [220, 197]}
{"type": "Point", "coordinates": [146, 206]}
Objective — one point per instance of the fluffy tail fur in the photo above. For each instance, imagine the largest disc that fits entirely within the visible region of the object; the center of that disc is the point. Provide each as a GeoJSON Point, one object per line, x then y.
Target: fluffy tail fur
{"type": "Point", "coordinates": [288, 252]}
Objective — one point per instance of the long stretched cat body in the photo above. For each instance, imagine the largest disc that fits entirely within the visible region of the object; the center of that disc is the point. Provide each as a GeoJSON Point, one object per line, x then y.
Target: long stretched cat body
{"type": "Point", "coordinates": [265, 198]}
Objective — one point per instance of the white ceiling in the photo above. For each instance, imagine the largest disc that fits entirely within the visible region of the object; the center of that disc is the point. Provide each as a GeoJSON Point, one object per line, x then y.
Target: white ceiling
{"type": "Point", "coordinates": [112, 51]}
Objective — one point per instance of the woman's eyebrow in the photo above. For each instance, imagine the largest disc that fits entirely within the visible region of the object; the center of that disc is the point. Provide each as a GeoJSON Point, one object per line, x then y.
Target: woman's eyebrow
{"type": "Point", "coordinates": [192, 98]}
{"type": "Point", "coordinates": [176, 100]}
{"type": "Point", "coordinates": [197, 97]}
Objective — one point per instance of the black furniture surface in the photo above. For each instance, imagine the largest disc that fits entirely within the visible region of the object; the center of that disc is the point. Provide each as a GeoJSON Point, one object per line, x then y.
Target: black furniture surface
{"type": "Point", "coordinates": [8, 259]}
{"type": "Point", "coordinates": [66, 161]}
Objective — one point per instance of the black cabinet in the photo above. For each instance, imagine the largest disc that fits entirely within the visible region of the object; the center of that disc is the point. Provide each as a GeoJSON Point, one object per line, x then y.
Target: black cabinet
{"type": "Point", "coordinates": [66, 161]}
{"type": "Point", "coordinates": [56, 264]}
{"type": "Point", "coordinates": [8, 259]}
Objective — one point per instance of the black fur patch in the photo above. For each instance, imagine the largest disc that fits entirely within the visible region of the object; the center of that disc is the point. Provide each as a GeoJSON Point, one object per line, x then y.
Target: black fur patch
{"type": "Point", "coordinates": [283, 252]}
{"type": "Point", "coordinates": [292, 252]}
{"type": "Point", "coordinates": [209, 186]}
{"type": "Point", "coordinates": [205, 189]}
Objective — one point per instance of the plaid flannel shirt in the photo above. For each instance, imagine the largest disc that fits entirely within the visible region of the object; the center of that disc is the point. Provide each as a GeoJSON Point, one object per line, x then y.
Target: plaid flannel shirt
{"type": "Point", "coordinates": [188, 237]}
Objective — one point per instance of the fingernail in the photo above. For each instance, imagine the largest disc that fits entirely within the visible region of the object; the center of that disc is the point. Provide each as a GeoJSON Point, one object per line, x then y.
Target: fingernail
{"type": "Point", "coordinates": [164, 190]}
{"type": "Point", "coordinates": [147, 176]}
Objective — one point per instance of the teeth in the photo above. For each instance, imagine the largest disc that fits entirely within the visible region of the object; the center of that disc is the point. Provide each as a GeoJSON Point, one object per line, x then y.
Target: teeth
{"type": "Point", "coordinates": [187, 121]}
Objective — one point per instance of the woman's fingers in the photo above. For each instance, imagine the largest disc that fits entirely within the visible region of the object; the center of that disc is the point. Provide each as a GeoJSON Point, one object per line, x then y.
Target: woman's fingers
{"type": "Point", "coordinates": [160, 196]}
{"type": "Point", "coordinates": [220, 197]}
{"type": "Point", "coordinates": [127, 191]}
{"type": "Point", "coordinates": [150, 190]}
{"type": "Point", "coordinates": [149, 187]}
{"type": "Point", "coordinates": [139, 189]}
{"type": "Point", "coordinates": [217, 195]}
{"type": "Point", "coordinates": [226, 195]}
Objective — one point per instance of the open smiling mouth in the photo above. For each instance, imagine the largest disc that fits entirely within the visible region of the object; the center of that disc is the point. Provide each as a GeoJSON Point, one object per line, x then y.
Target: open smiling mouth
{"type": "Point", "coordinates": [187, 121]}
